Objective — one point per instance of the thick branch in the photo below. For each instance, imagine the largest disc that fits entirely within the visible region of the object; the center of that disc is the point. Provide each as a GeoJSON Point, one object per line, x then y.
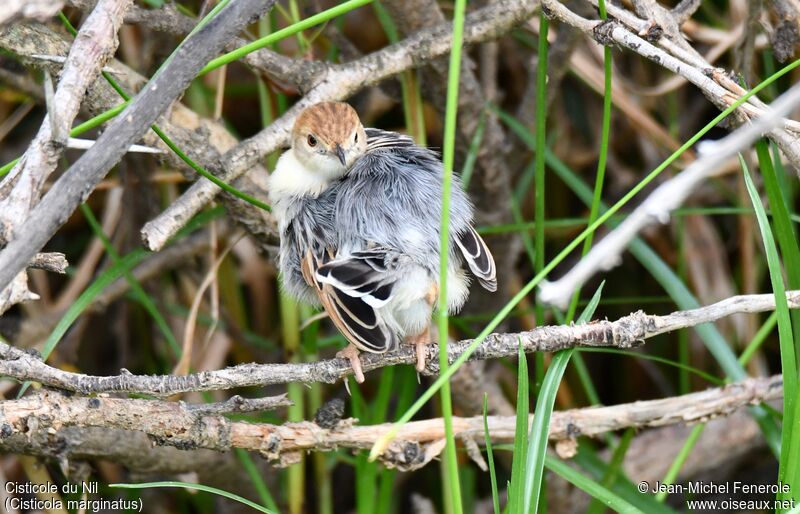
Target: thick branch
{"type": "Point", "coordinates": [78, 182]}
{"type": "Point", "coordinates": [95, 43]}
{"type": "Point", "coordinates": [626, 332]}
{"type": "Point", "coordinates": [416, 443]}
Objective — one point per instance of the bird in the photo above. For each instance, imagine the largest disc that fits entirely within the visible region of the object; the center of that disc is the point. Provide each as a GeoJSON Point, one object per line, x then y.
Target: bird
{"type": "Point", "coordinates": [359, 216]}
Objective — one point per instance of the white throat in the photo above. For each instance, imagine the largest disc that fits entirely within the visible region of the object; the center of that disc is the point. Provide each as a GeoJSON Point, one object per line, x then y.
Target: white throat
{"type": "Point", "coordinates": [292, 178]}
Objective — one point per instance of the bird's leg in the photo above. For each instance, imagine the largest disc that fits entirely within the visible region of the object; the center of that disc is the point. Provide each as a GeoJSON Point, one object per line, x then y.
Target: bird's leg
{"type": "Point", "coordinates": [351, 353]}
{"type": "Point", "coordinates": [421, 340]}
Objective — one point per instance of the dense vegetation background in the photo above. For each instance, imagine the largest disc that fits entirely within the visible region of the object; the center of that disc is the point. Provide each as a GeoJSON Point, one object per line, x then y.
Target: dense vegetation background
{"type": "Point", "coordinates": [550, 129]}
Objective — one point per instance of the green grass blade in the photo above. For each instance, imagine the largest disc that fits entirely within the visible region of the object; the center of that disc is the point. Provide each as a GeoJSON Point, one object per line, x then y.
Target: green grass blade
{"type": "Point", "coordinates": [537, 449]}
{"type": "Point", "coordinates": [588, 460]}
{"type": "Point", "coordinates": [490, 455]}
{"type": "Point", "coordinates": [662, 360]}
{"type": "Point", "coordinates": [586, 484]}
{"type": "Point", "coordinates": [114, 272]}
{"type": "Point", "coordinates": [472, 153]}
{"type": "Point", "coordinates": [450, 463]}
{"type": "Point", "coordinates": [588, 311]}
{"type": "Point", "coordinates": [614, 468]}
{"type": "Point", "coordinates": [783, 228]}
{"type": "Point", "coordinates": [677, 464]}
{"type": "Point", "coordinates": [197, 487]}
{"type": "Point", "coordinates": [540, 429]}
{"type": "Point", "coordinates": [255, 477]}
{"type": "Point", "coordinates": [276, 36]}
{"type": "Point", "coordinates": [515, 489]}
{"type": "Point", "coordinates": [758, 339]}
{"type": "Point", "coordinates": [789, 461]}
{"type": "Point", "coordinates": [138, 291]}
{"type": "Point", "coordinates": [602, 159]}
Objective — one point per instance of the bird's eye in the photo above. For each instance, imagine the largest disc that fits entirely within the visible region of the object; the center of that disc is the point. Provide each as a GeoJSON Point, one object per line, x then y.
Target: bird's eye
{"type": "Point", "coordinates": [312, 141]}
{"type": "Point", "coordinates": [355, 140]}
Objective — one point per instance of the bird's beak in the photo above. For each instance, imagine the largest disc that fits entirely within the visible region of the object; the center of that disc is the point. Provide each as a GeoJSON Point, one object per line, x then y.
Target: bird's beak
{"type": "Point", "coordinates": [340, 154]}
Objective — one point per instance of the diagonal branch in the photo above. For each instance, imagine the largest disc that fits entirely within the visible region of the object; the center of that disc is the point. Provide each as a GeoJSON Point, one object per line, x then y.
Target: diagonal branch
{"type": "Point", "coordinates": [203, 139]}
{"type": "Point", "coordinates": [297, 73]}
{"type": "Point", "coordinates": [95, 43]}
{"type": "Point", "coordinates": [661, 202]}
{"type": "Point", "coordinates": [79, 181]}
{"type": "Point", "coordinates": [626, 332]}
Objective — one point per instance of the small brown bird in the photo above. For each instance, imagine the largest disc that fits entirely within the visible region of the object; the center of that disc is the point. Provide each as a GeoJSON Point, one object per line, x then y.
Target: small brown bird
{"type": "Point", "coordinates": [359, 213]}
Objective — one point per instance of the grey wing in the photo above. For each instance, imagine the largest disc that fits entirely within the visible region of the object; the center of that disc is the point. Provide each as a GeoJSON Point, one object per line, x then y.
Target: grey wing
{"type": "Point", "coordinates": [353, 289]}
{"type": "Point", "coordinates": [478, 258]}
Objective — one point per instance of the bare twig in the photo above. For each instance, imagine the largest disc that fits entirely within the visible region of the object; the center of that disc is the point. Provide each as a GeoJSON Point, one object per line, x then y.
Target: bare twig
{"type": "Point", "coordinates": [94, 45]}
{"type": "Point", "coordinates": [33, 9]}
{"type": "Point", "coordinates": [237, 403]}
{"type": "Point", "coordinates": [626, 332]}
{"type": "Point", "coordinates": [76, 184]}
{"type": "Point", "coordinates": [661, 202]}
{"type": "Point", "coordinates": [714, 84]}
{"type": "Point", "coordinates": [55, 262]}
{"type": "Point", "coordinates": [416, 444]}
{"type": "Point", "coordinates": [297, 73]}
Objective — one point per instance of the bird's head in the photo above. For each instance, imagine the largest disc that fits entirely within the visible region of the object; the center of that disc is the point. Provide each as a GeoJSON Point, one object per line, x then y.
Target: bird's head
{"type": "Point", "coordinates": [328, 137]}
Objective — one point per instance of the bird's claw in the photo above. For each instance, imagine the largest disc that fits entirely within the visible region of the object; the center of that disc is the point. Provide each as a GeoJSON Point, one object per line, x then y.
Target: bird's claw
{"type": "Point", "coordinates": [351, 353]}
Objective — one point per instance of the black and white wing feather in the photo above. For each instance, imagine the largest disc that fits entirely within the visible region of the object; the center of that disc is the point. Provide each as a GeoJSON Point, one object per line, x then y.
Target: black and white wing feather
{"type": "Point", "coordinates": [351, 290]}
{"type": "Point", "coordinates": [478, 258]}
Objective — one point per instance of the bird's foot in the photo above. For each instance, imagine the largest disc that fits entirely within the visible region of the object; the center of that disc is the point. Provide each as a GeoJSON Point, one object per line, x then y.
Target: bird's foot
{"type": "Point", "coordinates": [420, 342]}
{"type": "Point", "coordinates": [351, 353]}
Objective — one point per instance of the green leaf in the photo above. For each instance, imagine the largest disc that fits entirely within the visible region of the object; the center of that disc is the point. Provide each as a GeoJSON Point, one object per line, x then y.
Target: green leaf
{"type": "Point", "coordinates": [197, 487]}
{"type": "Point", "coordinates": [596, 490]}
{"type": "Point", "coordinates": [516, 490]}
{"type": "Point", "coordinates": [540, 428]}
{"type": "Point", "coordinates": [783, 228]}
{"type": "Point", "coordinates": [789, 461]}
{"type": "Point", "coordinates": [490, 455]}
{"type": "Point", "coordinates": [588, 460]}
